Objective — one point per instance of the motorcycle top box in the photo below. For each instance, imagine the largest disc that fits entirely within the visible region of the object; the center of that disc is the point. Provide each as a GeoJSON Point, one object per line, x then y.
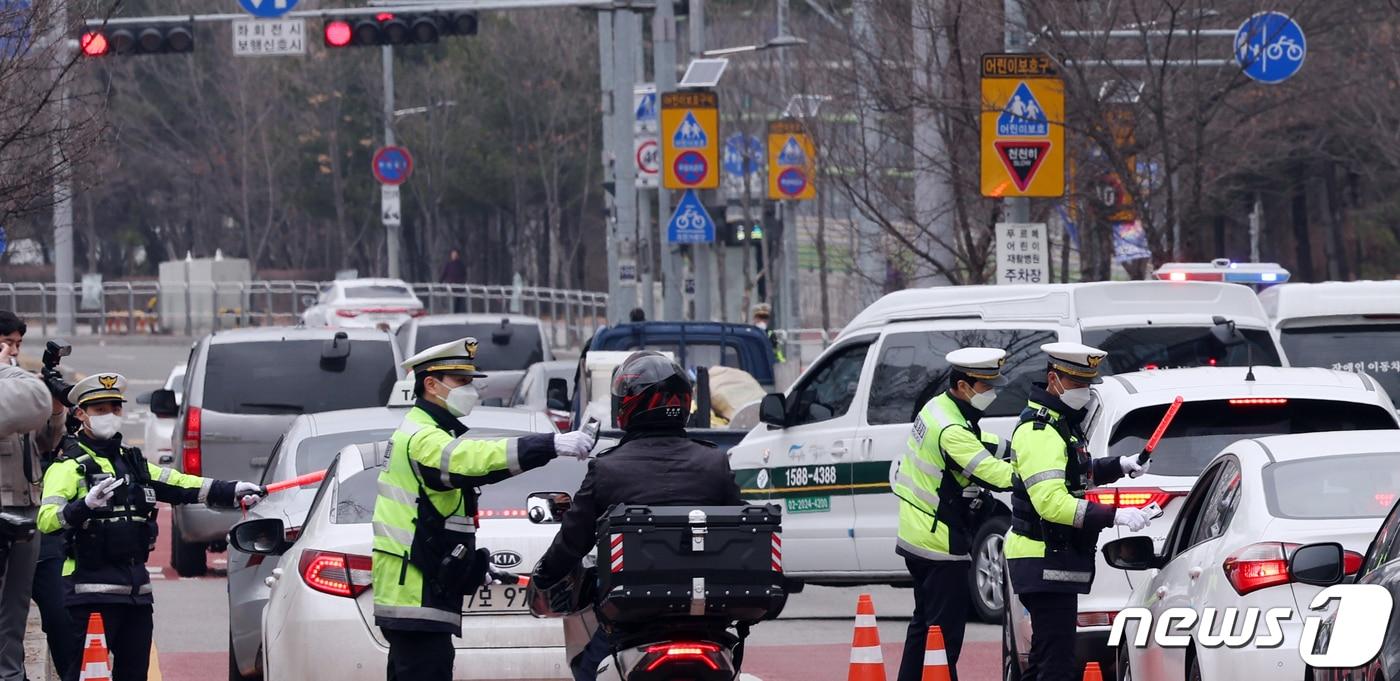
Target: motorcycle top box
{"type": "Point", "coordinates": [708, 561]}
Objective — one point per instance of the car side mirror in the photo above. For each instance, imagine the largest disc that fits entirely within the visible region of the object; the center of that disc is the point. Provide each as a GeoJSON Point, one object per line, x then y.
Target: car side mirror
{"type": "Point", "coordinates": [1318, 564]}
{"type": "Point", "coordinates": [547, 507]}
{"type": "Point", "coordinates": [164, 403]}
{"type": "Point", "coordinates": [260, 536]}
{"type": "Point", "coordinates": [1132, 553]}
{"type": "Point", "coordinates": [773, 410]}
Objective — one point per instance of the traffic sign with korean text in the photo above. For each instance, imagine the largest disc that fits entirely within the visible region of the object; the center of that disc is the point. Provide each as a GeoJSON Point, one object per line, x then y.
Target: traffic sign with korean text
{"type": "Point", "coordinates": [690, 140]}
{"type": "Point", "coordinates": [1023, 253]}
{"type": "Point", "coordinates": [1022, 120]}
{"type": "Point", "coordinates": [791, 161]}
{"type": "Point", "coordinates": [269, 37]}
{"type": "Point", "coordinates": [691, 223]}
{"type": "Point", "coordinates": [392, 165]}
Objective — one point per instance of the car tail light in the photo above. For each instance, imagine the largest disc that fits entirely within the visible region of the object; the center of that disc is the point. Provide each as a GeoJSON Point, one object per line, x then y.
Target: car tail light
{"type": "Point", "coordinates": [192, 456]}
{"type": "Point", "coordinates": [337, 574]}
{"type": "Point", "coordinates": [420, 312]}
{"type": "Point", "coordinates": [1131, 497]}
{"type": "Point", "coordinates": [503, 513]}
{"type": "Point", "coordinates": [1385, 499]}
{"type": "Point", "coordinates": [348, 314]}
{"type": "Point", "coordinates": [1259, 566]}
{"type": "Point", "coordinates": [562, 420]}
{"type": "Point", "coordinates": [677, 652]}
{"type": "Point", "coordinates": [1258, 401]}
{"type": "Point", "coordinates": [1097, 619]}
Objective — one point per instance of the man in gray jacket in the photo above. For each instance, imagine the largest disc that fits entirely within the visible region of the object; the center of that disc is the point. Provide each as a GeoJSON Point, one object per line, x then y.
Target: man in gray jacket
{"type": "Point", "coordinates": [31, 423]}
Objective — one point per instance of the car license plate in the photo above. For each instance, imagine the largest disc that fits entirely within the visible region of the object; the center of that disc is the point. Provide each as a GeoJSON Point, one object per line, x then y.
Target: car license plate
{"type": "Point", "coordinates": [496, 598]}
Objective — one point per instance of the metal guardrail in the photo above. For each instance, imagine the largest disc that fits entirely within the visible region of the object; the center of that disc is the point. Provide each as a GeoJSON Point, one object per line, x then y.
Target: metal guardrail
{"type": "Point", "coordinates": [149, 307]}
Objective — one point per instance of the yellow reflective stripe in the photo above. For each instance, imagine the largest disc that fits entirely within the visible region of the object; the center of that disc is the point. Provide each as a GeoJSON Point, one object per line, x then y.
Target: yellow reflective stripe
{"type": "Point", "coordinates": [444, 471]}
{"type": "Point", "coordinates": [410, 612]}
{"type": "Point", "coordinates": [928, 468]}
{"type": "Point", "coordinates": [164, 475]}
{"type": "Point", "coordinates": [929, 554]}
{"type": "Point", "coordinates": [971, 466]}
{"type": "Point", "coordinates": [922, 494]}
{"type": "Point", "coordinates": [1081, 509]}
{"type": "Point", "coordinates": [513, 456]}
{"type": "Point", "coordinates": [204, 491]}
{"type": "Point", "coordinates": [55, 500]}
{"type": "Point", "coordinates": [396, 493]}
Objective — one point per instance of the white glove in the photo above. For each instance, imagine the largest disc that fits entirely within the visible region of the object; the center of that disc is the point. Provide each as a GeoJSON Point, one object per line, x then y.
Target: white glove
{"type": "Point", "coordinates": [577, 444]}
{"type": "Point", "coordinates": [101, 494]}
{"type": "Point", "coordinates": [1135, 518]}
{"type": "Point", "coordinates": [248, 494]}
{"type": "Point", "coordinates": [1131, 467]}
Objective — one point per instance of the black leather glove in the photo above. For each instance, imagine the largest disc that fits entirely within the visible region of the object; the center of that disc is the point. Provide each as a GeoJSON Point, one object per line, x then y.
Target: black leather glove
{"type": "Point", "coordinates": [57, 386]}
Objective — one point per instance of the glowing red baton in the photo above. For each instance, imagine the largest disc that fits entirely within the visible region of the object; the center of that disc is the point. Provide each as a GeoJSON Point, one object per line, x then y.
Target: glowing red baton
{"type": "Point", "coordinates": [299, 481]}
{"type": "Point", "coordinates": [1161, 430]}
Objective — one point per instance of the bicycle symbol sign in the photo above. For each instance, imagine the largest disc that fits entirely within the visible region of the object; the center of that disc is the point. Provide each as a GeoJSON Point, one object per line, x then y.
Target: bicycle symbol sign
{"type": "Point", "coordinates": [1270, 47]}
{"type": "Point", "coordinates": [691, 223]}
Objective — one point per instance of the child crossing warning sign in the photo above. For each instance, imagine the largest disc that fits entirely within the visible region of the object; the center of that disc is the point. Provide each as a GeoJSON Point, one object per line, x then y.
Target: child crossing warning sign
{"type": "Point", "coordinates": [1023, 134]}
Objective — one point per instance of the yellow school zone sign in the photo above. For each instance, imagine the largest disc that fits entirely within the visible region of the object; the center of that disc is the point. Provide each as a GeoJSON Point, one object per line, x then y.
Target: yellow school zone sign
{"type": "Point", "coordinates": [1023, 132]}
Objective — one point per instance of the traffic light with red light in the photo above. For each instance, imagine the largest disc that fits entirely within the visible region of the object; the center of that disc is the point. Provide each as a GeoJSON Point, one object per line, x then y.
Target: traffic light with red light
{"type": "Point", "coordinates": [124, 40]}
{"type": "Point", "coordinates": [392, 28]}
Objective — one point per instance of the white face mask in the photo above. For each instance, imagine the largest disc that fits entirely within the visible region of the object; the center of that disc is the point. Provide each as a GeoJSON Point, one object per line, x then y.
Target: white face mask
{"type": "Point", "coordinates": [462, 400]}
{"type": "Point", "coordinates": [104, 426]}
{"type": "Point", "coordinates": [1076, 399]}
{"type": "Point", "coordinates": [980, 401]}
{"type": "Point", "coordinates": [762, 325]}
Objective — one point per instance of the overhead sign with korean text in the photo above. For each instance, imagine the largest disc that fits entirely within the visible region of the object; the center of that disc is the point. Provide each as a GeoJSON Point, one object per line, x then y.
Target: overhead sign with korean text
{"type": "Point", "coordinates": [690, 140]}
{"type": "Point", "coordinates": [1023, 132]}
{"type": "Point", "coordinates": [269, 37]}
{"type": "Point", "coordinates": [791, 161]}
{"type": "Point", "coordinates": [1023, 253]}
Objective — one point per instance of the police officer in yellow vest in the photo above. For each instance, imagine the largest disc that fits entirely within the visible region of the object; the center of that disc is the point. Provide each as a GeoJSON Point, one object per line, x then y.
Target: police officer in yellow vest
{"type": "Point", "coordinates": [941, 480]}
{"type": "Point", "coordinates": [425, 555]}
{"type": "Point", "coordinates": [103, 496]}
{"type": "Point", "coordinates": [1054, 529]}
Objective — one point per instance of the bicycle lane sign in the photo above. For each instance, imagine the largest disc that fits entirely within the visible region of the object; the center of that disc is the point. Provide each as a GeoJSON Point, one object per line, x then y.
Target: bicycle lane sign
{"type": "Point", "coordinates": [691, 223]}
{"type": "Point", "coordinates": [1270, 47]}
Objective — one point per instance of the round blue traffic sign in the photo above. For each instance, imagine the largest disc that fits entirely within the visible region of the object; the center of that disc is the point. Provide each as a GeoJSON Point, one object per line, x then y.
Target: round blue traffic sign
{"type": "Point", "coordinates": [4, 240]}
{"type": "Point", "coordinates": [691, 167]}
{"type": "Point", "coordinates": [1270, 47]}
{"type": "Point", "coordinates": [267, 9]}
{"type": "Point", "coordinates": [792, 182]}
{"type": "Point", "coordinates": [392, 165]}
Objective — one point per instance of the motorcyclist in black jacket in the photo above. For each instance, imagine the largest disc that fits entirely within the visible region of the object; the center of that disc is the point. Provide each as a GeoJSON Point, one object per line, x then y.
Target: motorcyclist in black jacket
{"type": "Point", "coordinates": [655, 463]}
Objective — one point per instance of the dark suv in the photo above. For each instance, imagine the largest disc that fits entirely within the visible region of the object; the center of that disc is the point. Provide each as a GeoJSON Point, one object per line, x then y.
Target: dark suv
{"type": "Point", "coordinates": [242, 390]}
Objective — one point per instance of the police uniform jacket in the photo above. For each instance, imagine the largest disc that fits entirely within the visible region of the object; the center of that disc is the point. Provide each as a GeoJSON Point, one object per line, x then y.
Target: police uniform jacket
{"type": "Point", "coordinates": [652, 467]}
{"type": "Point", "coordinates": [108, 547]}
{"type": "Point", "coordinates": [1054, 529]}
{"type": "Point", "coordinates": [433, 470]}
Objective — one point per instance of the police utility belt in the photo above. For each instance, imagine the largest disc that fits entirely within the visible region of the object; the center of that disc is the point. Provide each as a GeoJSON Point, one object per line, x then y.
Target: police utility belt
{"type": "Point", "coordinates": [444, 548]}
{"type": "Point", "coordinates": [1026, 522]}
{"type": "Point", "coordinates": [123, 533]}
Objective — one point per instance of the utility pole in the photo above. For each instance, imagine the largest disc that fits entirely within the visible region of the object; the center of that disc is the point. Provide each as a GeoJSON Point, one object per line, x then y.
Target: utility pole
{"type": "Point", "coordinates": [663, 39]}
{"type": "Point", "coordinates": [646, 292]}
{"type": "Point", "coordinates": [1014, 40]}
{"type": "Point", "coordinates": [62, 186]}
{"type": "Point", "coordinates": [702, 255]}
{"type": "Point", "coordinates": [791, 311]}
{"type": "Point", "coordinates": [627, 39]}
{"type": "Point", "coordinates": [392, 233]}
{"type": "Point", "coordinates": [605, 77]}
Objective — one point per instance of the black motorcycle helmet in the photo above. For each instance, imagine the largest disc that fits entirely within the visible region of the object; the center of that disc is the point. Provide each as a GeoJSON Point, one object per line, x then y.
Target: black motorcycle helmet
{"type": "Point", "coordinates": [650, 391]}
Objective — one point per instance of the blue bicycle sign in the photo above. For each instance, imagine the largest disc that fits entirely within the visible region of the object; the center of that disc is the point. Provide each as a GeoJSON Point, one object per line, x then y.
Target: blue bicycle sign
{"type": "Point", "coordinates": [1270, 47]}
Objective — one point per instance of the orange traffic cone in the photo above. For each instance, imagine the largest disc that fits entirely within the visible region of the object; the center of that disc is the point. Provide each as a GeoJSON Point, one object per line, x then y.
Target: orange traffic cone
{"type": "Point", "coordinates": [867, 662]}
{"type": "Point", "coordinates": [95, 667]}
{"type": "Point", "coordinates": [935, 657]}
{"type": "Point", "coordinates": [1092, 673]}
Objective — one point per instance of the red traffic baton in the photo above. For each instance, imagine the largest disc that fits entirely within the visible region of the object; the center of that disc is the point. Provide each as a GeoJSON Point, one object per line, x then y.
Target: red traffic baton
{"type": "Point", "coordinates": [299, 481]}
{"type": "Point", "coordinates": [1161, 430]}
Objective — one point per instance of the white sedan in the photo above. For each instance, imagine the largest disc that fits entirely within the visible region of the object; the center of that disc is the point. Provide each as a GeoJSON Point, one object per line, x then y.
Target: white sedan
{"type": "Point", "coordinates": [1230, 547]}
{"type": "Point", "coordinates": [364, 303]}
{"type": "Point", "coordinates": [322, 599]}
{"type": "Point", "coordinates": [158, 423]}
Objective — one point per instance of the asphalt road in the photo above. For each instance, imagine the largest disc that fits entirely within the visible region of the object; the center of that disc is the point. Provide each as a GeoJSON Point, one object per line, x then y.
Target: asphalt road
{"type": "Point", "coordinates": [810, 643]}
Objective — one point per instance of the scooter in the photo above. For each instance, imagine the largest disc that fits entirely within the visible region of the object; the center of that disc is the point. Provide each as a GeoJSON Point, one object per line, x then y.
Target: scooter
{"type": "Point", "coordinates": [670, 635]}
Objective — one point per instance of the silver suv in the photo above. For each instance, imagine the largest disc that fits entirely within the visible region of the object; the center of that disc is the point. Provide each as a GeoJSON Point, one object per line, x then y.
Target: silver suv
{"type": "Point", "coordinates": [242, 390]}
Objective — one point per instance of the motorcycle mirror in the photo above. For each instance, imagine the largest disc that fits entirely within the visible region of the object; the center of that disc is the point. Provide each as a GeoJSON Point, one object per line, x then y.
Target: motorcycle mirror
{"type": "Point", "coordinates": [547, 507]}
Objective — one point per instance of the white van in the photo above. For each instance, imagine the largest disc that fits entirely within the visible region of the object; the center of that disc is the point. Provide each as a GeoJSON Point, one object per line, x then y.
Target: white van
{"type": "Point", "coordinates": [824, 450]}
{"type": "Point", "coordinates": [1340, 325]}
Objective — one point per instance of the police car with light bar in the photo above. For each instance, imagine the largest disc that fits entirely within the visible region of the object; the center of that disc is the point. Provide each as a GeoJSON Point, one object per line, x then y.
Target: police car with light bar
{"type": "Point", "coordinates": [1223, 269]}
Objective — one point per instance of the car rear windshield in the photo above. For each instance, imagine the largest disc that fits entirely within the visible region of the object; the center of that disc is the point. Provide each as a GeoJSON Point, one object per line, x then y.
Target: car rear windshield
{"type": "Point", "coordinates": [498, 350]}
{"type": "Point", "coordinates": [289, 377]}
{"type": "Point", "coordinates": [1369, 348]}
{"type": "Point", "coordinates": [1202, 428]}
{"type": "Point", "coordinates": [355, 498]}
{"type": "Point", "coordinates": [1326, 487]}
{"type": "Point", "coordinates": [316, 453]}
{"type": "Point", "coordinates": [1177, 347]}
{"type": "Point", "coordinates": [377, 291]}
